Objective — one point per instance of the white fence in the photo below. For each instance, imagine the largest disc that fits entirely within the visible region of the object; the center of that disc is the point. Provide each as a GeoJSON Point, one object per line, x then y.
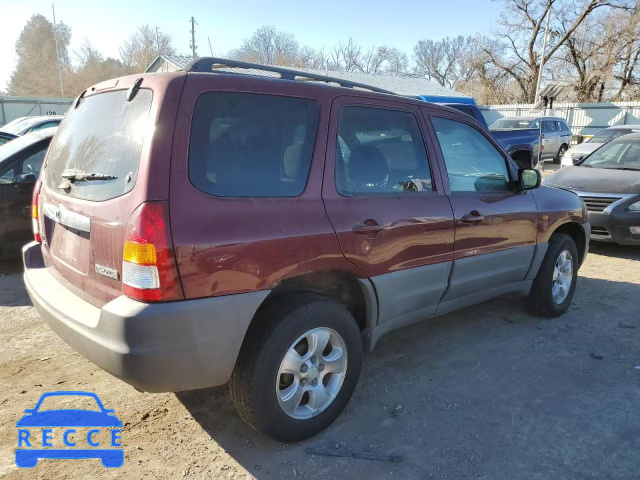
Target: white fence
{"type": "Point", "coordinates": [14, 107]}
{"type": "Point", "coordinates": [583, 118]}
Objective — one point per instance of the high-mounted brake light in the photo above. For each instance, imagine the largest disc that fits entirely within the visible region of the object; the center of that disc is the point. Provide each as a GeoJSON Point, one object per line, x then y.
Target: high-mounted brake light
{"type": "Point", "coordinates": [149, 271]}
{"type": "Point", "coordinates": [34, 212]}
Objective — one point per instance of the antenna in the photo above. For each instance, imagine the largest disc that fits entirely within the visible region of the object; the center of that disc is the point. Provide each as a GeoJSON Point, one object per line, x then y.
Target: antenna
{"type": "Point", "coordinates": [210, 49]}
{"type": "Point", "coordinates": [193, 37]}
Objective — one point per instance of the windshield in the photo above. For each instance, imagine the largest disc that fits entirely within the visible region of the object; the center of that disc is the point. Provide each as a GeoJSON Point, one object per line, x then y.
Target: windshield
{"type": "Point", "coordinates": [515, 123]}
{"type": "Point", "coordinates": [101, 138]}
{"type": "Point", "coordinates": [620, 154]}
{"type": "Point", "coordinates": [608, 134]}
{"type": "Point", "coordinates": [23, 124]}
{"type": "Point", "coordinates": [20, 143]}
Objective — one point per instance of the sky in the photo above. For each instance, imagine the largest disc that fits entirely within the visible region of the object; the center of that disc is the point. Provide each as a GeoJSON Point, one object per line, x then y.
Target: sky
{"type": "Point", "coordinates": [398, 23]}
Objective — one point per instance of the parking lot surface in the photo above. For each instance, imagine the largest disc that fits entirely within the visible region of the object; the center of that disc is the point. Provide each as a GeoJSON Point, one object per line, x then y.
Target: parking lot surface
{"type": "Point", "coordinates": [489, 392]}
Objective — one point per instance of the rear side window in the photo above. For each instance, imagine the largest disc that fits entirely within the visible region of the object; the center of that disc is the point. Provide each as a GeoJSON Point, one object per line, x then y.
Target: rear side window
{"type": "Point", "coordinates": [45, 125]}
{"type": "Point", "coordinates": [251, 145]}
{"type": "Point", "coordinates": [463, 109]}
{"type": "Point", "coordinates": [103, 136]}
{"type": "Point", "coordinates": [380, 152]}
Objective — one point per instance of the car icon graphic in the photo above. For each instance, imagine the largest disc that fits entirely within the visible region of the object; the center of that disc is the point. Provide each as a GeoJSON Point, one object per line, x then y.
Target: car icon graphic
{"type": "Point", "coordinates": [69, 418]}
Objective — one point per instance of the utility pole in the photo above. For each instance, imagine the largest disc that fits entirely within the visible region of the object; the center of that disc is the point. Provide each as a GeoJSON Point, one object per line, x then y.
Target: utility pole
{"type": "Point", "coordinates": [544, 48]}
{"type": "Point", "coordinates": [158, 40]}
{"type": "Point", "coordinates": [193, 37]}
{"type": "Point", "coordinates": [55, 38]}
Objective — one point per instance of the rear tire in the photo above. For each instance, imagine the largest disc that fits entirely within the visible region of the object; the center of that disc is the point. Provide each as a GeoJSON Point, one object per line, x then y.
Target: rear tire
{"type": "Point", "coordinates": [258, 383]}
{"type": "Point", "coordinates": [558, 158]}
{"type": "Point", "coordinates": [554, 285]}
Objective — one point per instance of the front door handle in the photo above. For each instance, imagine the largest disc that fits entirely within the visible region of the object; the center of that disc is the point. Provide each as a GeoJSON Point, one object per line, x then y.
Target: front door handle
{"type": "Point", "coordinates": [368, 227]}
{"type": "Point", "coordinates": [472, 217]}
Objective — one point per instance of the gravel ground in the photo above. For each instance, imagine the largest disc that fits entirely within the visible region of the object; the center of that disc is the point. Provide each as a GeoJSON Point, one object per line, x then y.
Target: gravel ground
{"type": "Point", "coordinates": [489, 392]}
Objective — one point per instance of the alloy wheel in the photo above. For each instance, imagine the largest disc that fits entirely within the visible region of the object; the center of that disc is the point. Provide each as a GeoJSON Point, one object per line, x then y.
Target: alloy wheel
{"type": "Point", "coordinates": [311, 373]}
{"type": "Point", "coordinates": [562, 277]}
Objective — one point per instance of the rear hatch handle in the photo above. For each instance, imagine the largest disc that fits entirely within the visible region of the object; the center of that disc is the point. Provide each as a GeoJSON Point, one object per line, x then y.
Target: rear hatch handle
{"type": "Point", "coordinates": [62, 215]}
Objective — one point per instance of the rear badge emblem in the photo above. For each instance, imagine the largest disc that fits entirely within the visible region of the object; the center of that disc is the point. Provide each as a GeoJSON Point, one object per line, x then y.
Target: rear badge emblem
{"type": "Point", "coordinates": [107, 272]}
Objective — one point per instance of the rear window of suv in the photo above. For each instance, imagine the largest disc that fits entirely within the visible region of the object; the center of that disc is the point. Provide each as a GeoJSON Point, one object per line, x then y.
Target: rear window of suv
{"type": "Point", "coordinates": [251, 145]}
{"type": "Point", "coordinates": [103, 136]}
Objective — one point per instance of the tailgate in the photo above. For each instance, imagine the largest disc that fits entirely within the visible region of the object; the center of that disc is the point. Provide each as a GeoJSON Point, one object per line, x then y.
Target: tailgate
{"type": "Point", "coordinates": [82, 244]}
{"type": "Point", "coordinates": [97, 172]}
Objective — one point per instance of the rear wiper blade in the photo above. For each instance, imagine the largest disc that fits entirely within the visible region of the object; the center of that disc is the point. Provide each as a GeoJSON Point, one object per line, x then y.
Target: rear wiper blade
{"type": "Point", "coordinates": [78, 176]}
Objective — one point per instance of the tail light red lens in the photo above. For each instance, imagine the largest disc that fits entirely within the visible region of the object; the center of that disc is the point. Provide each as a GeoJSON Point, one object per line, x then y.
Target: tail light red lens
{"type": "Point", "coordinates": [149, 271]}
{"type": "Point", "coordinates": [35, 225]}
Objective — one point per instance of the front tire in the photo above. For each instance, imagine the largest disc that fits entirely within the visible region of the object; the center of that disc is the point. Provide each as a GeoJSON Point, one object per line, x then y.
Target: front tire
{"type": "Point", "coordinates": [297, 368]}
{"type": "Point", "coordinates": [555, 283]}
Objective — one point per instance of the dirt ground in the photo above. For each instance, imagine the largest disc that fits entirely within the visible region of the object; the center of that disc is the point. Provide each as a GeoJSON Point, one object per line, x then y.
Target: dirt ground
{"type": "Point", "coordinates": [490, 392]}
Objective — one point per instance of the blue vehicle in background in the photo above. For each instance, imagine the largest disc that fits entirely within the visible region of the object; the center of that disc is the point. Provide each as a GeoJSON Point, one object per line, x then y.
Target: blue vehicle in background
{"type": "Point", "coordinates": [522, 145]}
{"type": "Point", "coordinates": [68, 418]}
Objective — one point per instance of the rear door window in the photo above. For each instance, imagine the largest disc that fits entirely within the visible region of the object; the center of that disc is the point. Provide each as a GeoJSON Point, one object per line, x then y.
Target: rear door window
{"type": "Point", "coordinates": [103, 136]}
{"type": "Point", "coordinates": [252, 145]}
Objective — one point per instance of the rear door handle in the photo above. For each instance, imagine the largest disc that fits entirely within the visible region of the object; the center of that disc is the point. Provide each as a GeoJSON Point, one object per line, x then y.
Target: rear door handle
{"type": "Point", "coordinates": [472, 217]}
{"type": "Point", "coordinates": [367, 227]}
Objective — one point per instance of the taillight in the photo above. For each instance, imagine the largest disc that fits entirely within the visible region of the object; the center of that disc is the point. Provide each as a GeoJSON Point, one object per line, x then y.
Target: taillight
{"type": "Point", "coordinates": [149, 271]}
{"type": "Point", "coordinates": [542, 143]}
{"type": "Point", "coordinates": [34, 212]}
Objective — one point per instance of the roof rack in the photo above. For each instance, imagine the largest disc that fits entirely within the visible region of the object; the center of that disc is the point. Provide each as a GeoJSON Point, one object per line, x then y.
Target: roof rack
{"type": "Point", "coordinates": [217, 65]}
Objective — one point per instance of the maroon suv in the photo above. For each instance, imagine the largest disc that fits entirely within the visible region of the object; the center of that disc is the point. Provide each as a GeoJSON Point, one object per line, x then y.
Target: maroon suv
{"type": "Point", "coordinates": [210, 226]}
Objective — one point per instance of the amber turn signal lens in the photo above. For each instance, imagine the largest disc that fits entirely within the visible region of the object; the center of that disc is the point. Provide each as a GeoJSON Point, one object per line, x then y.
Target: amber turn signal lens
{"type": "Point", "coordinates": [140, 253]}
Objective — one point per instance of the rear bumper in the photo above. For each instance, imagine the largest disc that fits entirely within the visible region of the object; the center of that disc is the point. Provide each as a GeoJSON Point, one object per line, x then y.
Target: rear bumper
{"type": "Point", "coordinates": [157, 347]}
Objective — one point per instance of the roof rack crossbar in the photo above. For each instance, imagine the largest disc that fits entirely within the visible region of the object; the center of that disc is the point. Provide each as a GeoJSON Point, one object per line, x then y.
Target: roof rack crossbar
{"type": "Point", "coordinates": [215, 65]}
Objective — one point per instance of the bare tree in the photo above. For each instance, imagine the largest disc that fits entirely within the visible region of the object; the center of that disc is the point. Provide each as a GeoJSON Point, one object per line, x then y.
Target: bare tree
{"type": "Point", "coordinates": [348, 56]}
{"type": "Point", "coordinates": [92, 68]}
{"type": "Point", "coordinates": [522, 29]}
{"type": "Point", "coordinates": [626, 69]}
{"type": "Point", "coordinates": [443, 61]}
{"type": "Point", "coordinates": [144, 46]}
{"type": "Point", "coordinates": [479, 78]}
{"type": "Point", "coordinates": [268, 46]}
{"type": "Point", "coordinates": [396, 62]}
{"type": "Point", "coordinates": [353, 57]}
{"type": "Point", "coordinates": [36, 72]}
{"type": "Point", "coordinates": [86, 55]}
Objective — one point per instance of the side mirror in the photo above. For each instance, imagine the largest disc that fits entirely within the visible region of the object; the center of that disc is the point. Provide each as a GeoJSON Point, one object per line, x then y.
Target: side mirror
{"type": "Point", "coordinates": [25, 179]}
{"type": "Point", "coordinates": [528, 179]}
